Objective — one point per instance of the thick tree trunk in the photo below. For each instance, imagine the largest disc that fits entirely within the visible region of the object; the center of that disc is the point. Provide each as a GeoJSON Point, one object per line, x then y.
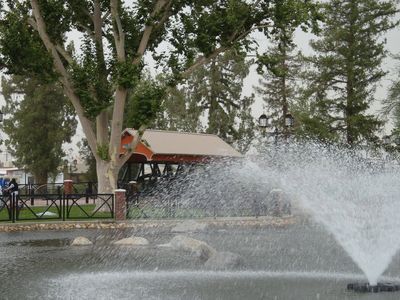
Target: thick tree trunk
{"type": "Point", "coordinates": [107, 176]}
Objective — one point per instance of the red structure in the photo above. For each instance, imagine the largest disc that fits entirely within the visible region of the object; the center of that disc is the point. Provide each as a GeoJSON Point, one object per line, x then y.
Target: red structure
{"type": "Point", "coordinates": [170, 150]}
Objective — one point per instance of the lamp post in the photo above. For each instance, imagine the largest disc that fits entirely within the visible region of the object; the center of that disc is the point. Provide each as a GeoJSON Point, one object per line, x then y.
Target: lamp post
{"type": "Point", "coordinates": [264, 123]}
{"type": "Point", "coordinates": [70, 167]}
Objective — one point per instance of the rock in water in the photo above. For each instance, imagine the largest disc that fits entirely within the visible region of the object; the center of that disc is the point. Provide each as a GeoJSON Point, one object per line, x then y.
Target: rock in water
{"type": "Point", "coordinates": [133, 241]}
{"type": "Point", "coordinates": [196, 247]}
{"type": "Point", "coordinates": [81, 241]}
{"type": "Point", "coordinates": [223, 261]}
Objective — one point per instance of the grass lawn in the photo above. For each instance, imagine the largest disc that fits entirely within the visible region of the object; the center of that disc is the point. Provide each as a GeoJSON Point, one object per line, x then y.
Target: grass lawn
{"type": "Point", "coordinates": [75, 213]}
{"type": "Point", "coordinates": [159, 213]}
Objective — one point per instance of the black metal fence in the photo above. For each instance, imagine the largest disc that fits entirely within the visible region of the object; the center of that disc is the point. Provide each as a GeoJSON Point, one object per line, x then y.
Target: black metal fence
{"type": "Point", "coordinates": [147, 205]}
{"type": "Point", "coordinates": [31, 207]}
{"type": "Point", "coordinates": [57, 188]}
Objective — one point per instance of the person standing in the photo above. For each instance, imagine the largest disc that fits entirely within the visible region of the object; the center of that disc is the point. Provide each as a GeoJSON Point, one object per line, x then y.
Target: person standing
{"type": "Point", "coordinates": [12, 188]}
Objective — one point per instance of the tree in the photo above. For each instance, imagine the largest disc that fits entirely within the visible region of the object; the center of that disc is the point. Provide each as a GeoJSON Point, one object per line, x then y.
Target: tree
{"type": "Point", "coordinates": [90, 161]}
{"type": "Point", "coordinates": [212, 96]}
{"type": "Point", "coordinates": [392, 103]}
{"type": "Point", "coordinates": [40, 121]}
{"type": "Point", "coordinates": [280, 67]}
{"type": "Point", "coordinates": [116, 35]}
{"type": "Point", "coordinates": [180, 112]}
{"type": "Point", "coordinates": [347, 67]}
{"type": "Point", "coordinates": [144, 103]}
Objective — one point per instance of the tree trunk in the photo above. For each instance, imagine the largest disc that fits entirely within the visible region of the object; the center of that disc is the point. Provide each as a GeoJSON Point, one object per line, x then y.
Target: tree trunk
{"type": "Point", "coordinates": [107, 177]}
{"type": "Point", "coordinates": [106, 184]}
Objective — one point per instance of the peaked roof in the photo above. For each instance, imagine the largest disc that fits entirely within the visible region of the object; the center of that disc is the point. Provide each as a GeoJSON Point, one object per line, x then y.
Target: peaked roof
{"type": "Point", "coordinates": [175, 144]}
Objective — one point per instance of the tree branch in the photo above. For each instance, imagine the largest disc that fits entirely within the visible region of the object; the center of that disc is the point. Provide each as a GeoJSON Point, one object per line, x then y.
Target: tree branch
{"type": "Point", "coordinates": [88, 31]}
{"type": "Point", "coordinates": [118, 32]}
{"type": "Point", "coordinates": [67, 84]}
{"type": "Point", "coordinates": [65, 54]}
{"type": "Point", "coordinates": [160, 4]}
{"type": "Point", "coordinates": [137, 136]}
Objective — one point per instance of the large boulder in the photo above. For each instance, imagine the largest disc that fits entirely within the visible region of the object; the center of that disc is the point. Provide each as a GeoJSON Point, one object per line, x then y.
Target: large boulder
{"type": "Point", "coordinates": [81, 241]}
{"type": "Point", "coordinates": [132, 241]}
{"type": "Point", "coordinates": [190, 226]}
{"type": "Point", "coordinates": [198, 248]}
{"type": "Point", "coordinates": [223, 261]}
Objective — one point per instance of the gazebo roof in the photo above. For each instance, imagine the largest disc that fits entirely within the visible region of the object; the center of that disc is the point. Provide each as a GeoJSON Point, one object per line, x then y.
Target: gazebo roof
{"type": "Point", "coordinates": [172, 146]}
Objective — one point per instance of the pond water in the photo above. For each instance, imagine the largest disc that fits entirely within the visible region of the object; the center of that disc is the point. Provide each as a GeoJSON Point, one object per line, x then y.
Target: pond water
{"type": "Point", "coordinates": [301, 261]}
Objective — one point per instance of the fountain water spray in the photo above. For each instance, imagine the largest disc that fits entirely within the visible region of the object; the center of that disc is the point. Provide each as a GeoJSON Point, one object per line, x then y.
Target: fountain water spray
{"type": "Point", "coordinates": [357, 200]}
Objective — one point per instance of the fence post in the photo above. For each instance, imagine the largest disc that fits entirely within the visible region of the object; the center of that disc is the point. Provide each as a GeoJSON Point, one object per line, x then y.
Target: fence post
{"type": "Point", "coordinates": [68, 187]}
{"type": "Point", "coordinates": [120, 204]}
{"type": "Point", "coordinates": [13, 207]}
{"type": "Point", "coordinates": [31, 192]}
{"type": "Point", "coordinates": [68, 184]}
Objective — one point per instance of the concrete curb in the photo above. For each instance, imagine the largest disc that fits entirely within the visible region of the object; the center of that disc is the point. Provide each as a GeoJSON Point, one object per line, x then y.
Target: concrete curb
{"type": "Point", "coordinates": [225, 222]}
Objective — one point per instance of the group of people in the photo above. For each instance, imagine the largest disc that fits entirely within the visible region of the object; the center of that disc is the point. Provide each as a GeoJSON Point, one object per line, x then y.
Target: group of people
{"type": "Point", "coordinates": [11, 189]}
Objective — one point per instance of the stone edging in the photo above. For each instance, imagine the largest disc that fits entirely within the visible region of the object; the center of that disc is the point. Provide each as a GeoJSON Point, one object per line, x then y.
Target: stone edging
{"type": "Point", "coordinates": [150, 223]}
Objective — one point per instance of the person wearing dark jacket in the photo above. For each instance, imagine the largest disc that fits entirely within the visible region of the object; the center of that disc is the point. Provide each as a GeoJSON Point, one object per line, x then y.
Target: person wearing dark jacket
{"type": "Point", "coordinates": [12, 188]}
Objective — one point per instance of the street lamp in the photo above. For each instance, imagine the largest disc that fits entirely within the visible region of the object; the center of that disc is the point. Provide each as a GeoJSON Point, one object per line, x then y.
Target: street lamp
{"type": "Point", "coordinates": [289, 120]}
{"type": "Point", "coordinates": [263, 123]}
{"type": "Point", "coordinates": [387, 139]}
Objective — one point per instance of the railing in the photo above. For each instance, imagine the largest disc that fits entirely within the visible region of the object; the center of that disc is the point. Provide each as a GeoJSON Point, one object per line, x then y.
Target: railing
{"type": "Point", "coordinates": [56, 207]}
{"type": "Point", "coordinates": [145, 205]}
{"type": "Point", "coordinates": [57, 188]}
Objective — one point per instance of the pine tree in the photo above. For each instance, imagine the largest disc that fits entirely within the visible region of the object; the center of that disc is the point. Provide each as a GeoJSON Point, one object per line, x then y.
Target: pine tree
{"type": "Point", "coordinates": [213, 93]}
{"type": "Point", "coordinates": [280, 67]}
{"type": "Point", "coordinates": [39, 120]}
{"type": "Point", "coordinates": [347, 67]}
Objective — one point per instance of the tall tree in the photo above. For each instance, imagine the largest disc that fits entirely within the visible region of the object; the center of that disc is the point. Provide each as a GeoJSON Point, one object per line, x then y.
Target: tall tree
{"type": "Point", "coordinates": [347, 67]}
{"type": "Point", "coordinates": [39, 120]}
{"type": "Point", "coordinates": [392, 103]}
{"type": "Point", "coordinates": [180, 112]}
{"type": "Point", "coordinates": [211, 100]}
{"type": "Point", "coordinates": [280, 66]}
{"type": "Point", "coordinates": [116, 35]}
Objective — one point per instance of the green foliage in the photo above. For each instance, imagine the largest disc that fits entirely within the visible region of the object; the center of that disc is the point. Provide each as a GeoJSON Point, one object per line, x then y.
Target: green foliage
{"type": "Point", "coordinates": [90, 82]}
{"type": "Point", "coordinates": [280, 67]}
{"type": "Point", "coordinates": [392, 103]}
{"type": "Point", "coordinates": [144, 103]}
{"type": "Point", "coordinates": [214, 91]}
{"type": "Point", "coordinates": [103, 152]}
{"type": "Point", "coordinates": [90, 161]}
{"type": "Point", "coordinates": [179, 112]}
{"type": "Point", "coordinates": [127, 75]}
{"type": "Point", "coordinates": [343, 74]}
{"type": "Point", "coordinates": [39, 120]}
{"type": "Point", "coordinates": [192, 31]}
{"type": "Point", "coordinates": [21, 50]}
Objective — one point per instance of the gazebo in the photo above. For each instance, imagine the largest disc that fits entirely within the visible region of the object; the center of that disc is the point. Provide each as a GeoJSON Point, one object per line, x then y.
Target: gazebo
{"type": "Point", "coordinates": [163, 153]}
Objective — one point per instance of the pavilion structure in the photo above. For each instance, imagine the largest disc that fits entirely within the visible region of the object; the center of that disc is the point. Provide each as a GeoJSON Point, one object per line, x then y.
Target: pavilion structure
{"type": "Point", "coordinates": [166, 153]}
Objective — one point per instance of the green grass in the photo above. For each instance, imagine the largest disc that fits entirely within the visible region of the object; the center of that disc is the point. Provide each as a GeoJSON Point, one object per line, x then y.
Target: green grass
{"type": "Point", "coordinates": [75, 213]}
{"type": "Point", "coordinates": [160, 213]}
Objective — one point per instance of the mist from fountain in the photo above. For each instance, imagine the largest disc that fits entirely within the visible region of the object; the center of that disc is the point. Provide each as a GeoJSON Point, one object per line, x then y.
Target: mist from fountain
{"type": "Point", "coordinates": [357, 200]}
